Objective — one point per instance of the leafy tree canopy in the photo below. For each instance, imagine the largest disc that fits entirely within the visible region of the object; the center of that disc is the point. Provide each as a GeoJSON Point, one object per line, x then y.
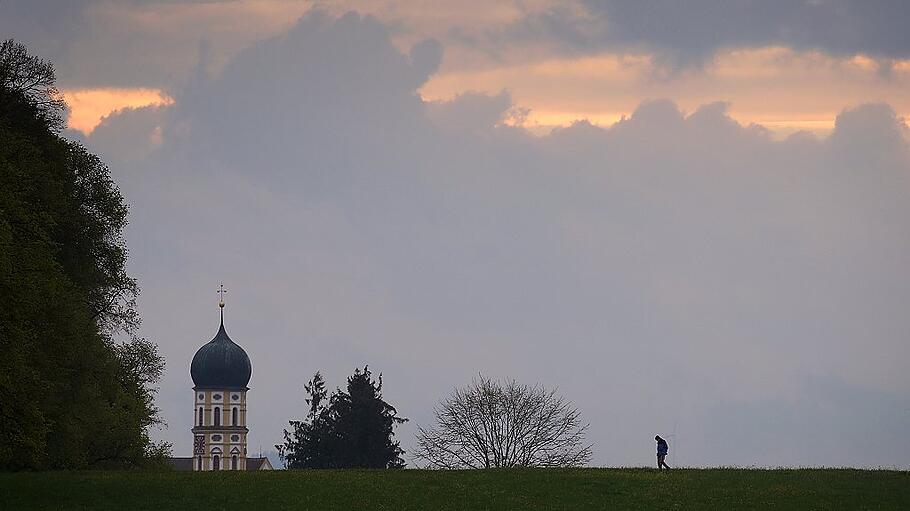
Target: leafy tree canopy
{"type": "Point", "coordinates": [71, 395]}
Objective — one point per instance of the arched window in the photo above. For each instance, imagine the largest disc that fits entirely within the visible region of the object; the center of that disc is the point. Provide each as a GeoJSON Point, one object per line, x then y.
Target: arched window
{"type": "Point", "coordinates": [217, 416]}
{"type": "Point", "coordinates": [234, 416]}
{"type": "Point", "coordinates": [234, 462]}
{"type": "Point", "coordinates": [216, 462]}
{"type": "Point", "coordinates": [199, 463]}
{"type": "Point", "coordinates": [200, 416]}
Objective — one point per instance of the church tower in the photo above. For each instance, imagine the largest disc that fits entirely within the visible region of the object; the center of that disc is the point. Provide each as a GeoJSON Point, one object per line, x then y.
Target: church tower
{"type": "Point", "coordinates": [221, 372]}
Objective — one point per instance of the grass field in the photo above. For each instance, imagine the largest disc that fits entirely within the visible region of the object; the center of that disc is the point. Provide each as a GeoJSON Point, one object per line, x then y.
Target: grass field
{"type": "Point", "coordinates": [468, 490]}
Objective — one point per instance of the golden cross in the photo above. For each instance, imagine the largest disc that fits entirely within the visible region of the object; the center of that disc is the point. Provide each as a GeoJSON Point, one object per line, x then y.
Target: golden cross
{"type": "Point", "coordinates": [221, 291]}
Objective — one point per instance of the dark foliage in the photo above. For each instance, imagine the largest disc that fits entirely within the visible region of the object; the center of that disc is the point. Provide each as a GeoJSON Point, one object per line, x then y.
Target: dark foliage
{"type": "Point", "coordinates": [352, 429]}
{"type": "Point", "coordinates": [70, 395]}
{"type": "Point", "coordinates": [33, 80]}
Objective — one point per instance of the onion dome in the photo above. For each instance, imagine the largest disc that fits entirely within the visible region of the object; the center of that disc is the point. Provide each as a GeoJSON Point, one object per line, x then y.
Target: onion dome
{"type": "Point", "coordinates": [220, 363]}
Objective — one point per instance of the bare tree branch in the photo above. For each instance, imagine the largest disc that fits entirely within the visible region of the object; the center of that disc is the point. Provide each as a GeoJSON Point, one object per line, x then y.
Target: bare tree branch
{"type": "Point", "coordinates": [492, 424]}
{"type": "Point", "coordinates": [32, 77]}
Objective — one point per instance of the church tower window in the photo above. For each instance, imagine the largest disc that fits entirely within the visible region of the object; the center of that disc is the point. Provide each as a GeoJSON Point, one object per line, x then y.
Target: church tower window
{"type": "Point", "coordinates": [217, 416]}
{"type": "Point", "coordinates": [234, 416]}
{"type": "Point", "coordinates": [216, 462]}
{"type": "Point", "coordinates": [200, 417]}
{"type": "Point", "coordinates": [234, 462]}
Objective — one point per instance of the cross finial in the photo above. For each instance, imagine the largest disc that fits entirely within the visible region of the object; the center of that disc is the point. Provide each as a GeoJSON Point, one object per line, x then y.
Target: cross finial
{"type": "Point", "coordinates": [221, 292]}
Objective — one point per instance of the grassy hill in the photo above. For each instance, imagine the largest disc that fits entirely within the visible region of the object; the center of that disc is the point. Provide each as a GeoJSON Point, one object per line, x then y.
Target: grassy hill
{"type": "Point", "coordinates": [468, 490]}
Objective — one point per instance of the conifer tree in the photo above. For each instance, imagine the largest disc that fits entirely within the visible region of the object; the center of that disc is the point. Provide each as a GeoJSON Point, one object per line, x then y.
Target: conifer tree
{"type": "Point", "coordinates": [352, 429]}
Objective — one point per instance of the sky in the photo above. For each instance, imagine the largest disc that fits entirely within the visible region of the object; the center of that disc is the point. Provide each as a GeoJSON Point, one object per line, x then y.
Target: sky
{"type": "Point", "coordinates": [693, 219]}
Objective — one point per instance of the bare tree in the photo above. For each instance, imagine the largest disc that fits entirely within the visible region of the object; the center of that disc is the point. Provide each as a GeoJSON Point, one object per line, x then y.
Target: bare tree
{"type": "Point", "coordinates": [492, 424]}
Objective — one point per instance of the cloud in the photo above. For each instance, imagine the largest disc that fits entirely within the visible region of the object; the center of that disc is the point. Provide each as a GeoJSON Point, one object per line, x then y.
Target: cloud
{"type": "Point", "coordinates": [425, 58]}
{"type": "Point", "coordinates": [140, 43]}
{"type": "Point", "coordinates": [684, 34]}
{"type": "Point", "coordinates": [563, 60]}
{"type": "Point", "coordinates": [665, 272]}
{"type": "Point", "coordinates": [87, 108]}
{"type": "Point", "coordinates": [470, 112]}
{"type": "Point", "coordinates": [134, 133]}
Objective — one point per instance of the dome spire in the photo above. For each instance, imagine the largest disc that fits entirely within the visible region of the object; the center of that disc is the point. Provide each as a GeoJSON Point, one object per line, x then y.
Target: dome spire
{"type": "Point", "coordinates": [221, 292]}
{"type": "Point", "coordinates": [220, 363]}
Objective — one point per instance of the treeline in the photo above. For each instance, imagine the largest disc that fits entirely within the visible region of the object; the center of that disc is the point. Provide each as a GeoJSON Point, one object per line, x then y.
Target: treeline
{"type": "Point", "coordinates": [71, 395]}
{"type": "Point", "coordinates": [487, 424]}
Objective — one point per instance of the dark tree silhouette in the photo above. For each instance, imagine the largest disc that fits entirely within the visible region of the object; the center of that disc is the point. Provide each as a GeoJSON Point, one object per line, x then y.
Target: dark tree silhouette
{"type": "Point", "coordinates": [71, 395]}
{"type": "Point", "coordinates": [311, 442]}
{"type": "Point", "coordinates": [353, 429]}
{"type": "Point", "coordinates": [32, 78]}
{"type": "Point", "coordinates": [492, 424]}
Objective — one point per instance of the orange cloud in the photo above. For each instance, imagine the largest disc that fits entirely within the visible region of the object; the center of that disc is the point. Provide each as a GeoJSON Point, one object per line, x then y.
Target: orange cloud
{"type": "Point", "coordinates": [779, 88]}
{"type": "Point", "coordinates": [87, 107]}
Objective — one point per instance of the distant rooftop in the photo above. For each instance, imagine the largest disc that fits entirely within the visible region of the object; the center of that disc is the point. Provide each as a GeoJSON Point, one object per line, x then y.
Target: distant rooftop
{"type": "Point", "coordinates": [186, 464]}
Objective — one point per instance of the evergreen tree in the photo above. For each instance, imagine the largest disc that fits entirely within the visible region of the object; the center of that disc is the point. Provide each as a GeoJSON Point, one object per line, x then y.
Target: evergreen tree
{"type": "Point", "coordinates": [310, 443]}
{"type": "Point", "coordinates": [353, 429]}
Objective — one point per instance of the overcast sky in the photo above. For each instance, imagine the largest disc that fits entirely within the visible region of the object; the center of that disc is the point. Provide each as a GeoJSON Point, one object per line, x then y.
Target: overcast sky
{"type": "Point", "coordinates": [694, 221]}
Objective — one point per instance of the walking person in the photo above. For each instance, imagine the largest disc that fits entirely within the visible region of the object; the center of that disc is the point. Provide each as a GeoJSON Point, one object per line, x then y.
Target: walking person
{"type": "Point", "coordinates": [662, 449]}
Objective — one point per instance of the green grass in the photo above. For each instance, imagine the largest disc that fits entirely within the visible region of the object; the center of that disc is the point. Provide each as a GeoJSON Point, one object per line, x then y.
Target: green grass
{"type": "Point", "coordinates": [467, 490]}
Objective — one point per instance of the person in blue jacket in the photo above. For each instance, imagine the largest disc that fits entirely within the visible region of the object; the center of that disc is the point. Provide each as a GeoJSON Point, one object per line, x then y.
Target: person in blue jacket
{"type": "Point", "coordinates": [662, 449]}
